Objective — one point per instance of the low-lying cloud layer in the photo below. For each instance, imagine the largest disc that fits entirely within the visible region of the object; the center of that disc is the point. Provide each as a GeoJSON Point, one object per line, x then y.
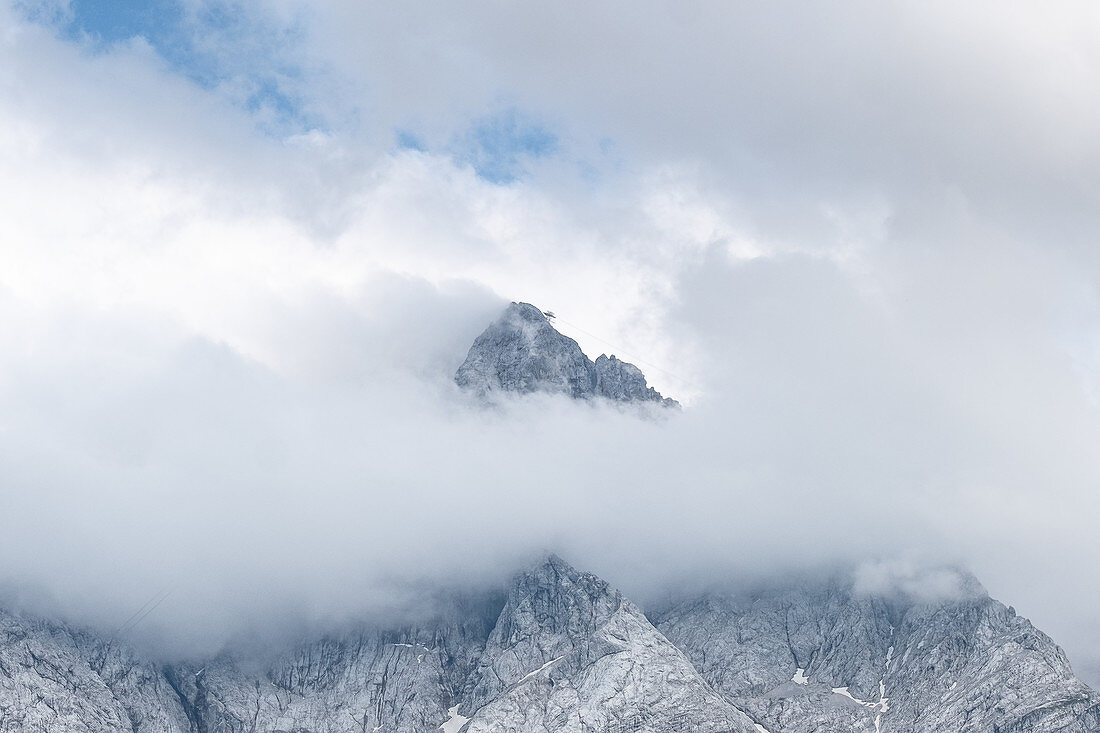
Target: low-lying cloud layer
{"type": "Point", "coordinates": [860, 251]}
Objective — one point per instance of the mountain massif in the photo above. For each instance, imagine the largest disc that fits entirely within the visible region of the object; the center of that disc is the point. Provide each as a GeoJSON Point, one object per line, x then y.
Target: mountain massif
{"type": "Point", "coordinates": [562, 651]}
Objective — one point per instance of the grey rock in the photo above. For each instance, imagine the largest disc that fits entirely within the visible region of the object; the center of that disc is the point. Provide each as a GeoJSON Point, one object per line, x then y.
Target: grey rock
{"type": "Point", "coordinates": [621, 381]}
{"type": "Point", "coordinates": [364, 681]}
{"type": "Point", "coordinates": [570, 653]}
{"type": "Point", "coordinates": [400, 680]}
{"type": "Point", "coordinates": [521, 352]}
{"type": "Point", "coordinates": [979, 666]}
{"type": "Point", "coordinates": [562, 651]}
{"type": "Point", "coordinates": [880, 664]}
{"type": "Point", "coordinates": [60, 680]}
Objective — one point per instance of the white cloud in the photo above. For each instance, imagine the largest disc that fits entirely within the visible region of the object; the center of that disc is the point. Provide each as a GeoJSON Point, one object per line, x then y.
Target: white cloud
{"type": "Point", "coordinates": [915, 581]}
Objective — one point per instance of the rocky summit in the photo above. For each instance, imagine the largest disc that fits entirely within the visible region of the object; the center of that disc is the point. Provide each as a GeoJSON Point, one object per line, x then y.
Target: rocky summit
{"type": "Point", "coordinates": [562, 651]}
{"type": "Point", "coordinates": [521, 352]}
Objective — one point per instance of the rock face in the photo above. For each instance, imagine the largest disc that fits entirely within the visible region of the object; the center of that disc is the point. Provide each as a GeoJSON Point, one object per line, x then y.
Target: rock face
{"type": "Point", "coordinates": [562, 651]}
{"type": "Point", "coordinates": [823, 657]}
{"type": "Point", "coordinates": [362, 681]}
{"type": "Point", "coordinates": [58, 680]}
{"type": "Point", "coordinates": [399, 680]}
{"type": "Point", "coordinates": [624, 382]}
{"type": "Point", "coordinates": [569, 653]}
{"type": "Point", "coordinates": [522, 352]}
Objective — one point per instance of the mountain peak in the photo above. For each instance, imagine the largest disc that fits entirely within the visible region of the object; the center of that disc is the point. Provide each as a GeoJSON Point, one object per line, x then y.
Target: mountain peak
{"type": "Point", "coordinates": [570, 652]}
{"type": "Point", "coordinates": [522, 352]}
{"type": "Point", "coordinates": [551, 563]}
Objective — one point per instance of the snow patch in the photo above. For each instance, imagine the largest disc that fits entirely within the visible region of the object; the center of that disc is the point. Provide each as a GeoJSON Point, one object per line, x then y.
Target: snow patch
{"type": "Point", "coordinates": [529, 675]}
{"type": "Point", "coordinates": [800, 677]}
{"type": "Point", "coordinates": [454, 723]}
{"type": "Point", "coordinates": [844, 691]}
{"type": "Point", "coordinates": [883, 703]}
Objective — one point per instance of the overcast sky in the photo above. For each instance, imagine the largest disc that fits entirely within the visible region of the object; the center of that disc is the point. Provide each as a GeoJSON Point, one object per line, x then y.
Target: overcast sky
{"type": "Point", "coordinates": [243, 247]}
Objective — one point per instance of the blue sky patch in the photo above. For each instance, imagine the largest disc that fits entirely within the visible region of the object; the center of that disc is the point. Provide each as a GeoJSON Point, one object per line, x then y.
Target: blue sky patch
{"type": "Point", "coordinates": [407, 140]}
{"type": "Point", "coordinates": [110, 21]}
{"type": "Point", "coordinates": [499, 146]}
{"type": "Point", "coordinates": [214, 43]}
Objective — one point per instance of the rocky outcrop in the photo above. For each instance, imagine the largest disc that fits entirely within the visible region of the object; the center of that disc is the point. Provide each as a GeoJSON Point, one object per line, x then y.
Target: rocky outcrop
{"type": "Point", "coordinates": [623, 382]}
{"type": "Point", "coordinates": [400, 680]}
{"type": "Point", "coordinates": [979, 666]}
{"type": "Point", "coordinates": [521, 352]}
{"type": "Point", "coordinates": [362, 681]}
{"type": "Point", "coordinates": [569, 653]}
{"type": "Point", "coordinates": [823, 657]}
{"type": "Point", "coordinates": [59, 680]}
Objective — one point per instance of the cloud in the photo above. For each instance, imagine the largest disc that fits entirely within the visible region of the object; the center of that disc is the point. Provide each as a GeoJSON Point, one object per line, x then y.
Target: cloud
{"type": "Point", "coordinates": [913, 581]}
{"type": "Point", "coordinates": [857, 241]}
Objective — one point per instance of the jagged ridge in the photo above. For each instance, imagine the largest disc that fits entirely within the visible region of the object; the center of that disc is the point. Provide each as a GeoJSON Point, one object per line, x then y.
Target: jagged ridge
{"type": "Point", "coordinates": [564, 651]}
{"type": "Point", "coordinates": [522, 352]}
